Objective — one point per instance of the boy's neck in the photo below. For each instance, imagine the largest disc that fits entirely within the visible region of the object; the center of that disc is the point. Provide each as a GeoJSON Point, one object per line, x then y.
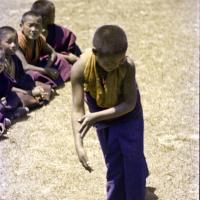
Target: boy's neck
{"type": "Point", "coordinates": [102, 73]}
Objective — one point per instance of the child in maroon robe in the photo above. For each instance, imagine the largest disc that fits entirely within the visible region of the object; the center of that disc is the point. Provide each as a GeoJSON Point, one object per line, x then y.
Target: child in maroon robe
{"type": "Point", "coordinates": [60, 38]}
{"type": "Point", "coordinates": [38, 56]}
{"type": "Point", "coordinates": [30, 93]}
{"type": "Point", "coordinates": [10, 103]}
{"type": "Point", "coordinates": [4, 122]}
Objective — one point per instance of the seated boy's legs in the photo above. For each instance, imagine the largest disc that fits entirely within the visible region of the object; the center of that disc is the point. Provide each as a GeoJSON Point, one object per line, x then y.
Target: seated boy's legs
{"type": "Point", "coordinates": [114, 162]}
{"type": "Point", "coordinates": [37, 76]}
{"type": "Point", "coordinates": [135, 167]}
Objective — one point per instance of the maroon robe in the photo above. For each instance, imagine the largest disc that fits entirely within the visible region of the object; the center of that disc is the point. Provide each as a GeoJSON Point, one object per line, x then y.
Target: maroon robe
{"type": "Point", "coordinates": [24, 81]}
{"type": "Point", "coordinates": [13, 101]}
{"type": "Point", "coordinates": [62, 40]}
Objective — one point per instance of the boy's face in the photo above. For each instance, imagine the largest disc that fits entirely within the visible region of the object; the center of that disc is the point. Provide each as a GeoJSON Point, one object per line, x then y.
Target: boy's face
{"type": "Point", "coordinates": [10, 43]}
{"type": "Point", "coordinates": [32, 27]}
{"type": "Point", "coordinates": [110, 62]}
{"type": "Point", "coordinates": [48, 19]}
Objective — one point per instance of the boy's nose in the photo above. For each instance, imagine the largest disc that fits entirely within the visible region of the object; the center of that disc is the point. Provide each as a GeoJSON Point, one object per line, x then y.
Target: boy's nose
{"type": "Point", "coordinates": [33, 28]}
{"type": "Point", "coordinates": [13, 46]}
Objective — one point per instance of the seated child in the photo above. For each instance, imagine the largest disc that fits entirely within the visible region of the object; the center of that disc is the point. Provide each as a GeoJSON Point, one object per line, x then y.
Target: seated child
{"type": "Point", "coordinates": [10, 104]}
{"type": "Point", "coordinates": [107, 76]}
{"type": "Point", "coordinates": [31, 94]}
{"type": "Point", "coordinates": [50, 70]}
{"type": "Point", "coordinates": [60, 38]}
{"type": "Point", "coordinates": [2, 100]}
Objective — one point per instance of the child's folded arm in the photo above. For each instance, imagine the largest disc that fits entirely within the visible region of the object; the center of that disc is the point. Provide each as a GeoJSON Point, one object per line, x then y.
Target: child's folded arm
{"type": "Point", "coordinates": [48, 50]}
{"type": "Point", "coordinates": [72, 58]}
{"type": "Point", "coordinates": [26, 65]}
{"type": "Point", "coordinates": [52, 73]}
{"type": "Point", "coordinates": [129, 98]}
{"type": "Point", "coordinates": [27, 92]}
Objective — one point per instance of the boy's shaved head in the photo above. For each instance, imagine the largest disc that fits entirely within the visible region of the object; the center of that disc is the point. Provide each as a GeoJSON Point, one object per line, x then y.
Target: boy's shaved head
{"type": "Point", "coordinates": [30, 14]}
{"type": "Point", "coordinates": [4, 30]}
{"type": "Point", "coordinates": [110, 39]}
{"type": "Point", "coordinates": [43, 7]}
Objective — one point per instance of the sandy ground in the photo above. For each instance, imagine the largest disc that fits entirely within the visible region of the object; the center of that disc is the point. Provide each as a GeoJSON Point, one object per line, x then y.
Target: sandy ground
{"type": "Point", "coordinates": [38, 160]}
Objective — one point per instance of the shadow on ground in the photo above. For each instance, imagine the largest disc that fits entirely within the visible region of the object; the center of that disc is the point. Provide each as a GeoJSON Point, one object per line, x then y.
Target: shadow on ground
{"type": "Point", "coordinates": [150, 195]}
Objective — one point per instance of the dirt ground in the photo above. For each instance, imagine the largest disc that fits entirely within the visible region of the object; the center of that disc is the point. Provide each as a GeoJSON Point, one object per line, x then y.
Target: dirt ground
{"type": "Point", "coordinates": [38, 159]}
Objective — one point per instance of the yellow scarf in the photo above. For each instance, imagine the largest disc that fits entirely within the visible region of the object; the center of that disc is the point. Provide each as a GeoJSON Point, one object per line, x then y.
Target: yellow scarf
{"type": "Point", "coordinates": [106, 92]}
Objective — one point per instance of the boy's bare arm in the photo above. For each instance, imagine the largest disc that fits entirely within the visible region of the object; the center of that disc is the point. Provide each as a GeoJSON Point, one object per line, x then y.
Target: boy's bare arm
{"type": "Point", "coordinates": [47, 71]}
{"type": "Point", "coordinates": [72, 58]}
{"type": "Point", "coordinates": [26, 92]}
{"type": "Point", "coordinates": [26, 65]}
{"type": "Point", "coordinates": [127, 105]}
{"type": "Point", "coordinates": [48, 50]}
{"type": "Point", "coordinates": [78, 111]}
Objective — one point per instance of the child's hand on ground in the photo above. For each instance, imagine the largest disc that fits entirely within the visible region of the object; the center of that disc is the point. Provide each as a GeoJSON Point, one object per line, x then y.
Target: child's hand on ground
{"type": "Point", "coordinates": [86, 121]}
{"type": "Point", "coordinates": [52, 73]}
{"type": "Point", "coordinates": [83, 158]}
{"type": "Point", "coordinates": [37, 91]}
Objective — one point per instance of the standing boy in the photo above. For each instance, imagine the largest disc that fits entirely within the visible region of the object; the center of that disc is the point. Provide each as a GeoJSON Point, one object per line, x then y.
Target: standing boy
{"type": "Point", "coordinates": [106, 76]}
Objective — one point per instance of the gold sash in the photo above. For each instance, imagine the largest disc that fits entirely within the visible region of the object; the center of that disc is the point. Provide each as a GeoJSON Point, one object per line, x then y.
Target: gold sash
{"type": "Point", "coordinates": [106, 91]}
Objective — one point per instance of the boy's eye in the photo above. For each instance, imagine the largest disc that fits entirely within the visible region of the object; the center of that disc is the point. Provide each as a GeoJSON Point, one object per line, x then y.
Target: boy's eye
{"type": "Point", "coordinates": [9, 41]}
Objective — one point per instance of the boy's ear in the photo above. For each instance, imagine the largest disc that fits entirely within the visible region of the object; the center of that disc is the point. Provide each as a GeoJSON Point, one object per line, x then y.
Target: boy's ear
{"type": "Point", "coordinates": [94, 51]}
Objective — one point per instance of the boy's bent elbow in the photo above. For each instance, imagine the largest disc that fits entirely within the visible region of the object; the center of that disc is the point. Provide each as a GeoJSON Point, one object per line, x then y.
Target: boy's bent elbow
{"type": "Point", "coordinates": [130, 106]}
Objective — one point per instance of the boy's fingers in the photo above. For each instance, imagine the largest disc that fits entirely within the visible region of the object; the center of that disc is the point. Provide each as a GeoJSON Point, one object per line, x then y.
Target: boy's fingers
{"type": "Point", "coordinates": [83, 125]}
{"type": "Point", "coordinates": [83, 133]}
{"type": "Point", "coordinates": [87, 166]}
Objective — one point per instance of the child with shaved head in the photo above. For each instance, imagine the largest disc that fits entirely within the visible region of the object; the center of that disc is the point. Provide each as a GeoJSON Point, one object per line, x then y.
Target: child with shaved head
{"type": "Point", "coordinates": [105, 76]}
{"type": "Point", "coordinates": [29, 92]}
{"type": "Point", "coordinates": [37, 56]}
{"type": "Point", "coordinates": [59, 37]}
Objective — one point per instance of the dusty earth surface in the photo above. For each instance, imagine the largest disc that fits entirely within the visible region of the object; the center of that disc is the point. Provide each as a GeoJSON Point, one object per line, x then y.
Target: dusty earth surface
{"type": "Point", "coordinates": [37, 156]}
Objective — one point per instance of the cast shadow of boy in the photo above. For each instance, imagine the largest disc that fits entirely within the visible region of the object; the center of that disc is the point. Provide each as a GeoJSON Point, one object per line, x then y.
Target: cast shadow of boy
{"type": "Point", "coordinates": [150, 195]}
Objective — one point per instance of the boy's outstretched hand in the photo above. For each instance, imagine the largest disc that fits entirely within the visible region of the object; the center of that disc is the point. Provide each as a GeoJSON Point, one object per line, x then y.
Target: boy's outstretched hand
{"type": "Point", "coordinates": [83, 158]}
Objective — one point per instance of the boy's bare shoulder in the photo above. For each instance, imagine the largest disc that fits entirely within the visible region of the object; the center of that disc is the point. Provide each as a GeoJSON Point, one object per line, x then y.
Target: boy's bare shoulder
{"type": "Point", "coordinates": [130, 64]}
{"type": "Point", "coordinates": [77, 70]}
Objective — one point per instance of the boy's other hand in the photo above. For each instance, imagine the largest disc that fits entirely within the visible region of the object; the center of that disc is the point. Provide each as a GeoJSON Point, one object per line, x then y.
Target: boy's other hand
{"type": "Point", "coordinates": [86, 121]}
